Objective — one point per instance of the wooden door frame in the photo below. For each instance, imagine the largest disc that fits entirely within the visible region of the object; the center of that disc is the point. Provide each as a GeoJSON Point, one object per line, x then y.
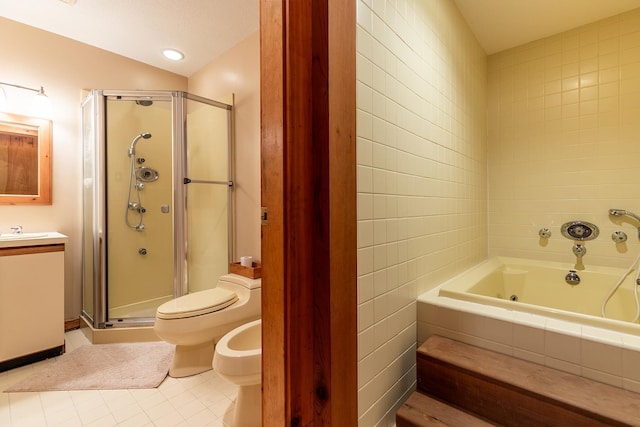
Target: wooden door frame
{"type": "Point", "coordinates": [309, 254]}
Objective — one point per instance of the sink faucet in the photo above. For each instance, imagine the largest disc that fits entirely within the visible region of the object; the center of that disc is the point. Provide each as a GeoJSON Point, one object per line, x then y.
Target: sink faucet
{"type": "Point", "coordinates": [17, 229]}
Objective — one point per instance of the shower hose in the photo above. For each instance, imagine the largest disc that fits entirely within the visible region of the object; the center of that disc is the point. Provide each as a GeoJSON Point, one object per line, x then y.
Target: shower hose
{"type": "Point", "coordinates": [635, 291]}
{"type": "Point", "coordinates": [138, 204]}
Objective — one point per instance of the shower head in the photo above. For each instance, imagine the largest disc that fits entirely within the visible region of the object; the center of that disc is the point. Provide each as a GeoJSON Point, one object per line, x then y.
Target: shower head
{"type": "Point", "coordinates": [132, 148]}
{"type": "Point", "coordinates": [144, 102]}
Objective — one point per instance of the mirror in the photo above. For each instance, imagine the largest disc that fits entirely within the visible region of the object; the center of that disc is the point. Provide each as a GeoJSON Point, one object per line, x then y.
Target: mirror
{"type": "Point", "coordinates": [25, 160]}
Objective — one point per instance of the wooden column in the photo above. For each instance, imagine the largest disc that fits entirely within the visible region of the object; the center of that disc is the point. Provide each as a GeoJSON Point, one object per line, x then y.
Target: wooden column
{"type": "Point", "coordinates": [309, 191]}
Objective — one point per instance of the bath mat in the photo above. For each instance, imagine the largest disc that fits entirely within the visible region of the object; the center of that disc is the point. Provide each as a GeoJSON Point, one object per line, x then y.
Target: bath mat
{"type": "Point", "coordinates": [103, 367]}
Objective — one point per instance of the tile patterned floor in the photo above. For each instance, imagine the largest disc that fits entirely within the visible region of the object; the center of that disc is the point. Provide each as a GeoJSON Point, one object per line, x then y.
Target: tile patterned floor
{"type": "Point", "coordinates": [199, 400]}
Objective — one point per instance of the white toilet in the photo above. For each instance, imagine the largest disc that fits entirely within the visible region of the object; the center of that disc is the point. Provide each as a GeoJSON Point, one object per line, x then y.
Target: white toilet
{"type": "Point", "coordinates": [238, 360]}
{"type": "Point", "coordinates": [195, 322]}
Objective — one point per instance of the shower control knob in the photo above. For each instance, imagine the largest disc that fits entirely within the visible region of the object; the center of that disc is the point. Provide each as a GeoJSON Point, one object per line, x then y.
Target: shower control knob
{"type": "Point", "coordinates": [142, 251]}
{"type": "Point", "coordinates": [579, 230]}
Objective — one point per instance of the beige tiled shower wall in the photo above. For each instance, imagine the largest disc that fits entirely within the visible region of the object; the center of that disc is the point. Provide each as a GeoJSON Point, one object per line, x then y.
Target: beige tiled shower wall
{"type": "Point", "coordinates": [564, 141]}
{"type": "Point", "coordinates": [422, 212]}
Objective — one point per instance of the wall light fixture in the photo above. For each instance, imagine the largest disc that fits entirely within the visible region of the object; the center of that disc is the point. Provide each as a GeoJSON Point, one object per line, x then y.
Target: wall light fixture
{"type": "Point", "coordinates": [40, 105]}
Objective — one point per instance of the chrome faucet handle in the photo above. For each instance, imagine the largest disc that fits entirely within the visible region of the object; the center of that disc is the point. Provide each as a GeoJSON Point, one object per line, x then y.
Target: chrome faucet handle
{"type": "Point", "coordinates": [619, 236]}
{"type": "Point", "coordinates": [17, 229]}
{"type": "Point", "coordinates": [579, 250]}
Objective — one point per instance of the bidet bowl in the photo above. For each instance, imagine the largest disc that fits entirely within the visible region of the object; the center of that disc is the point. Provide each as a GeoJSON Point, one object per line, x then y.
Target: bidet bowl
{"type": "Point", "coordinates": [238, 354]}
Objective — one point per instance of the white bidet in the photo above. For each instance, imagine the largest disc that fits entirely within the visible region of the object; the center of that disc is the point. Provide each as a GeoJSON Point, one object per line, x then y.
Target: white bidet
{"type": "Point", "coordinates": [238, 360]}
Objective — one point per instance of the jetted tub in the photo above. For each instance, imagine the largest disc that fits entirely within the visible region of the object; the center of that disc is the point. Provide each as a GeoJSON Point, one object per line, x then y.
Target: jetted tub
{"type": "Point", "coordinates": [525, 308]}
{"type": "Point", "coordinates": [540, 287]}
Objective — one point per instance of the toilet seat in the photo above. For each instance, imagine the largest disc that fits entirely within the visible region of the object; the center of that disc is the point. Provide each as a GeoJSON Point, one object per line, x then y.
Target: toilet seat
{"type": "Point", "coordinates": [197, 304]}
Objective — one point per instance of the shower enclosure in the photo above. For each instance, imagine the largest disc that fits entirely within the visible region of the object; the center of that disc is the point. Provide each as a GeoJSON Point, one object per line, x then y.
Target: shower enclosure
{"type": "Point", "coordinates": [157, 183]}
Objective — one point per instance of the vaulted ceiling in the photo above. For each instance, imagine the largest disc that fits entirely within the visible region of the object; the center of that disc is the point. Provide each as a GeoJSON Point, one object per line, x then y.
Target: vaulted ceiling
{"type": "Point", "coordinates": [203, 29]}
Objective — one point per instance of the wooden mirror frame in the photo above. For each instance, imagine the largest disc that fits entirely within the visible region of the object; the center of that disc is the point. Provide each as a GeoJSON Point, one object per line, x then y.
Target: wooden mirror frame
{"type": "Point", "coordinates": [43, 127]}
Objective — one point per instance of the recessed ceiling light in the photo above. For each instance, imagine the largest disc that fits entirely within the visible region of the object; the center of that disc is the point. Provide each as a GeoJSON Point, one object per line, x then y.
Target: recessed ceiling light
{"type": "Point", "coordinates": [172, 54]}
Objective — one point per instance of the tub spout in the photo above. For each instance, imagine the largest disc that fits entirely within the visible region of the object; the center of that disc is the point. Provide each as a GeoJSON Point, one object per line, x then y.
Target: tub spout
{"type": "Point", "coordinates": [572, 278]}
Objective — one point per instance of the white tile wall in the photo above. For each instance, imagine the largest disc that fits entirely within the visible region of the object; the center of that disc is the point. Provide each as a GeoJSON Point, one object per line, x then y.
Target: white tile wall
{"type": "Point", "coordinates": [564, 141]}
{"type": "Point", "coordinates": [562, 145]}
{"type": "Point", "coordinates": [421, 80]}
{"type": "Point", "coordinates": [602, 355]}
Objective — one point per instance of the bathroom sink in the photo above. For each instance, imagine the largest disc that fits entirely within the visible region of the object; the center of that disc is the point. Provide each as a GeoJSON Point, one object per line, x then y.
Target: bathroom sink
{"type": "Point", "coordinates": [22, 236]}
{"type": "Point", "coordinates": [31, 239]}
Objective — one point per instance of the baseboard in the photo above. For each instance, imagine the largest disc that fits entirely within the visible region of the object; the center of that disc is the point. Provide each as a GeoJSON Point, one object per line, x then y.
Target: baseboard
{"type": "Point", "coordinates": [31, 358]}
{"type": "Point", "coordinates": [72, 324]}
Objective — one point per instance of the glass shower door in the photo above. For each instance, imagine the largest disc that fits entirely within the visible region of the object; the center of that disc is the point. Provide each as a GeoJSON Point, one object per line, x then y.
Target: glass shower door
{"type": "Point", "coordinates": [208, 185]}
{"type": "Point", "coordinates": [157, 201]}
{"type": "Point", "coordinates": [90, 170]}
{"type": "Point", "coordinates": [139, 201]}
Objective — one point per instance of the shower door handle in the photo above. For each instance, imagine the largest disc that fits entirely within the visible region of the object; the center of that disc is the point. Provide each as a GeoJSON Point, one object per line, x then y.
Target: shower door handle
{"type": "Point", "coordinates": [202, 181]}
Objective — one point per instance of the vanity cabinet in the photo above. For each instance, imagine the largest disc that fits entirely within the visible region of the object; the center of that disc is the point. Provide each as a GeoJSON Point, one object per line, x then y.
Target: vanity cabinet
{"type": "Point", "coordinates": [31, 300]}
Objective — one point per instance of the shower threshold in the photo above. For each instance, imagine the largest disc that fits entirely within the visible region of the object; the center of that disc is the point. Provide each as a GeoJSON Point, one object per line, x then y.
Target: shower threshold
{"type": "Point", "coordinates": [139, 310]}
{"type": "Point", "coordinates": [140, 332]}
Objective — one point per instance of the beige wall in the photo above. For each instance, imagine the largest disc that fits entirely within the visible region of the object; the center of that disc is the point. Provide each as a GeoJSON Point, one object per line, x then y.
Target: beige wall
{"type": "Point", "coordinates": [237, 72]}
{"type": "Point", "coordinates": [564, 141]}
{"type": "Point", "coordinates": [421, 81]}
{"type": "Point", "coordinates": [65, 67]}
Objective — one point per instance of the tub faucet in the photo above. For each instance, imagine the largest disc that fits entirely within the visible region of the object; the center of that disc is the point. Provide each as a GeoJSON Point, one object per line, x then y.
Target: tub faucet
{"type": "Point", "coordinates": [17, 229]}
{"type": "Point", "coordinates": [572, 278]}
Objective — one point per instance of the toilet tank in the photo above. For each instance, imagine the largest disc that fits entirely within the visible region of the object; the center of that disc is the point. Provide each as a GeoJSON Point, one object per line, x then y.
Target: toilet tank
{"type": "Point", "coordinates": [233, 280]}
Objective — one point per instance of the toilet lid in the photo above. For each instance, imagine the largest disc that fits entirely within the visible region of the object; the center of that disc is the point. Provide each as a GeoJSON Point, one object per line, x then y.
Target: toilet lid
{"type": "Point", "coordinates": [196, 304]}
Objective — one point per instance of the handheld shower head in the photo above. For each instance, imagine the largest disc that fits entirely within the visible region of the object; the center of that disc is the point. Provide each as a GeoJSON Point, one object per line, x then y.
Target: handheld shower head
{"type": "Point", "coordinates": [132, 147]}
{"type": "Point", "coordinates": [622, 212]}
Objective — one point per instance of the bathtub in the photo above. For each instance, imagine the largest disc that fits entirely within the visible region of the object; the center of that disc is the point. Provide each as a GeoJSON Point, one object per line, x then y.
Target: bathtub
{"type": "Point", "coordinates": [526, 309]}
